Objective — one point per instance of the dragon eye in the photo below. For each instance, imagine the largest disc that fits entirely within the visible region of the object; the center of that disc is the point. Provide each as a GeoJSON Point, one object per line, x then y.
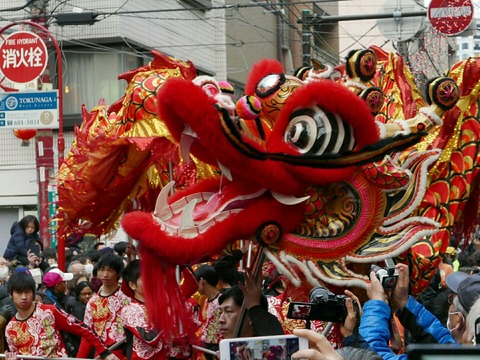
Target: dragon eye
{"type": "Point", "coordinates": [269, 85]}
{"type": "Point", "coordinates": [312, 131]}
{"type": "Point", "coordinates": [301, 133]}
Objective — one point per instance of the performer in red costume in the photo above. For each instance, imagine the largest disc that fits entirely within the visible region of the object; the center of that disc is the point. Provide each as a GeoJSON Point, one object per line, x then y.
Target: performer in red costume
{"type": "Point", "coordinates": [102, 314]}
{"type": "Point", "coordinates": [209, 332]}
{"type": "Point", "coordinates": [35, 329]}
{"type": "Point", "coordinates": [143, 341]}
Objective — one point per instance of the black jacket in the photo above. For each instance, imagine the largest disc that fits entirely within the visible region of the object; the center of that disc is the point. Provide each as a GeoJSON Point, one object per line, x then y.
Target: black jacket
{"type": "Point", "coordinates": [19, 244]}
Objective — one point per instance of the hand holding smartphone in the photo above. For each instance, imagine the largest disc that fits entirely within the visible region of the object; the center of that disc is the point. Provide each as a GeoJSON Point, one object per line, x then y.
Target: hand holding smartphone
{"type": "Point", "coordinates": [321, 347]}
{"type": "Point", "coordinates": [35, 249]}
{"type": "Point", "coordinates": [262, 347]}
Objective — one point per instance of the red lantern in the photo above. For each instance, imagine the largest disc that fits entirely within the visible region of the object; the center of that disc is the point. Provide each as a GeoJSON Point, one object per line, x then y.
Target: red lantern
{"type": "Point", "coordinates": [25, 135]}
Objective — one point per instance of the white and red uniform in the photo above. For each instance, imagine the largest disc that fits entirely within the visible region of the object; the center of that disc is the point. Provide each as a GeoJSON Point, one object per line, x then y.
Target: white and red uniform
{"type": "Point", "coordinates": [144, 342]}
{"type": "Point", "coordinates": [102, 316]}
{"type": "Point", "coordinates": [39, 334]}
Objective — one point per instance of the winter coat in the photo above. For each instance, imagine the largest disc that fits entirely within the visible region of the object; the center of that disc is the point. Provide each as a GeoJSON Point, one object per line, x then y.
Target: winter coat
{"type": "Point", "coordinates": [77, 309]}
{"type": "Point", "coordinates": [375, 330]}
{"type": "Point", "coordinates": [19, 243]}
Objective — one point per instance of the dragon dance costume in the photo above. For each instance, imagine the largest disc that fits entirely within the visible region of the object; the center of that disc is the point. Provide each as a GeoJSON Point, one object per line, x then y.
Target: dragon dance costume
{"type": "Point", "coordinates": [330, 170]}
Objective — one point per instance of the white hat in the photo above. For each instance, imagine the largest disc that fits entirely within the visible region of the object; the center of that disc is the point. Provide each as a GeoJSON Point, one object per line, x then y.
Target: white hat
{"type": "Point", "coordinates": [65, 276]}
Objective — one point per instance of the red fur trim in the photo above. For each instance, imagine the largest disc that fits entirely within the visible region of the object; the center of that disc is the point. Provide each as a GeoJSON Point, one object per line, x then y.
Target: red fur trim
{"type": "Point", "coordinates": [182, 103]}
{"type": "Point", "coordinates": [176, 249]}
{"type": "Point", "coordinates": [181, 99]}
{"type": "Point", "coordinates": [173, 93]}
{"type": "Point", "coordinates": [259, 71]}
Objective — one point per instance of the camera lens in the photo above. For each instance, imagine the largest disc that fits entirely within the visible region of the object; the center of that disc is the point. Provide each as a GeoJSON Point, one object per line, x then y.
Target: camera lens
{"type": "Point", "coordinates": [319, 294]}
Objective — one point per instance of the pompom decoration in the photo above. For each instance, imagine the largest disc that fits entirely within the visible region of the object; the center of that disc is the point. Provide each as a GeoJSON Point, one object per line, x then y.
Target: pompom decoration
{"type": "Point", "coordinates": [248, 107]}
{"type": "Point", "coordinates": [226, 87]}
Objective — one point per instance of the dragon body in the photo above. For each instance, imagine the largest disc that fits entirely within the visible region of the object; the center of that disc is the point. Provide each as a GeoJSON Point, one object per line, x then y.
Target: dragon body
{"type": "Point", "coordinates": [122, 155]}
{"type": "Point", "coordinates": [327, 175]}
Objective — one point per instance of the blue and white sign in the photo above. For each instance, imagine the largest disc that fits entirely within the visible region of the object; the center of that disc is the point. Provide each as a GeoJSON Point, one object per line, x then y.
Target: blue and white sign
{"type": "Point", "coordinates": [29, 110]}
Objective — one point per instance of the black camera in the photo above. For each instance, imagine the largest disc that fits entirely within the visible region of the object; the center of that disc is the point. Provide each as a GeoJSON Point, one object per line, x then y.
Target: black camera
{"type": "Point", "coordinates": [324, 305]}
{"type": "Point", "coordinates": [388, 276]}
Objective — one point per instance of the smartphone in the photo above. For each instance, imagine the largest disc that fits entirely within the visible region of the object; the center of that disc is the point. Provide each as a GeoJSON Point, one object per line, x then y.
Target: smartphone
{"type": "Point", "coordinates": [35, 248]}
{"type": "Point", "coordinates": [331, 311]}
{"type": "Point", "coordinates": [262, 347]}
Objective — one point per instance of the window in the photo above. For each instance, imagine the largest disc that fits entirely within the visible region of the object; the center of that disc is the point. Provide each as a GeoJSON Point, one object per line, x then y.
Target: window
{"type": "Point", "coordinates": [464, 46]}
{"type": "Point", "coordinates": [203, 5]}
{"type": "Point", "coordinates": [93, 75]}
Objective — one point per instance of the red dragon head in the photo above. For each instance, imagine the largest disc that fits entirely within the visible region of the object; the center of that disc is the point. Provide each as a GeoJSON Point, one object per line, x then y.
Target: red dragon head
{"type": "Point", "coordinates": [301, 134]}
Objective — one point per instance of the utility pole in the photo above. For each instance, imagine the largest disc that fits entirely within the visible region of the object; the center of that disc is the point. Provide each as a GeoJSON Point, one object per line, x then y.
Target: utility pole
{"type": "Point", "coordinates": [44, 139]}
{"type": "Point", "coordinates": [306, 38]}
{"type": "Point", "coordinates": [402, 48]}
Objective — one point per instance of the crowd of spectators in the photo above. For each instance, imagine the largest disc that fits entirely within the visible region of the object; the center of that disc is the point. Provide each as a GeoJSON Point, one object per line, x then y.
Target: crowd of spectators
{"type": "Point", "coordinates": [96, 307]}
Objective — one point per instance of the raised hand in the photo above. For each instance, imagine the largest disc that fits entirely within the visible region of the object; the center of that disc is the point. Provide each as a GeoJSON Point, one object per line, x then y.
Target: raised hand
{"type": "Point", "coordinates": [252, 290]}
{"type": "Point", "coordinates": [350, 322]}
{"type": "Point", "coordinates": [400, 293]}
{"type": "Point", "coordinates": [375, 289]}
{"type": "Point", "coordinates": [320, 347]}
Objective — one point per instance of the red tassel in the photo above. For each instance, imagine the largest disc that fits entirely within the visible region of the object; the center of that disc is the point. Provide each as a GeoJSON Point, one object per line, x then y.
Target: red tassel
{"type": "Point", "coordinates": [163, 298]}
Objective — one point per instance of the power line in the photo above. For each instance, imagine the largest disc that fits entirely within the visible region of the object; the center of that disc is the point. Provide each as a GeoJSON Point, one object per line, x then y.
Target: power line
{"type": "Point", "coordinates": [223, 7]}
{"type": "Point", "coordinates": [30, 2]}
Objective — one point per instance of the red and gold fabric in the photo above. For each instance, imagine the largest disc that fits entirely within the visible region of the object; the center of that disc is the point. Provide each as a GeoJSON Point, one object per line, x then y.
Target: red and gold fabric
{"type": "Point", "coordinates": [39, 335]}
{"type": "Point", "coordinates": [102, 316]}
{"type": "Point", "coordinates": [147, 342]}
{"type": "Point", "coordinates": [210, 316]}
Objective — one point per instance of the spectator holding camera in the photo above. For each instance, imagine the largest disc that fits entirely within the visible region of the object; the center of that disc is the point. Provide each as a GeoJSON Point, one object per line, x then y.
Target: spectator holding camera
{"type": "Point", "coordinates": [374, 327]}
{"type": "Point", "coordinates": [350, 327]}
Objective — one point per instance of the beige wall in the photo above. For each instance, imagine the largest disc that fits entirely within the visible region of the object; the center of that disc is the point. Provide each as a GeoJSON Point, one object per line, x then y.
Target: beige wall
{"type": "Point", "coordinates": [251, 36]}
{"type": "Point", "coordinates": [256, 28]}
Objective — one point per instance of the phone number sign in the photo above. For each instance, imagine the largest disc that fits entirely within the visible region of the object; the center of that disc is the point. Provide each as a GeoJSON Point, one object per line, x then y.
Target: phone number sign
{"type": "Point", "coordinates": [29, 110]}
{"type": "Point", "coordinates": [23, 56]}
